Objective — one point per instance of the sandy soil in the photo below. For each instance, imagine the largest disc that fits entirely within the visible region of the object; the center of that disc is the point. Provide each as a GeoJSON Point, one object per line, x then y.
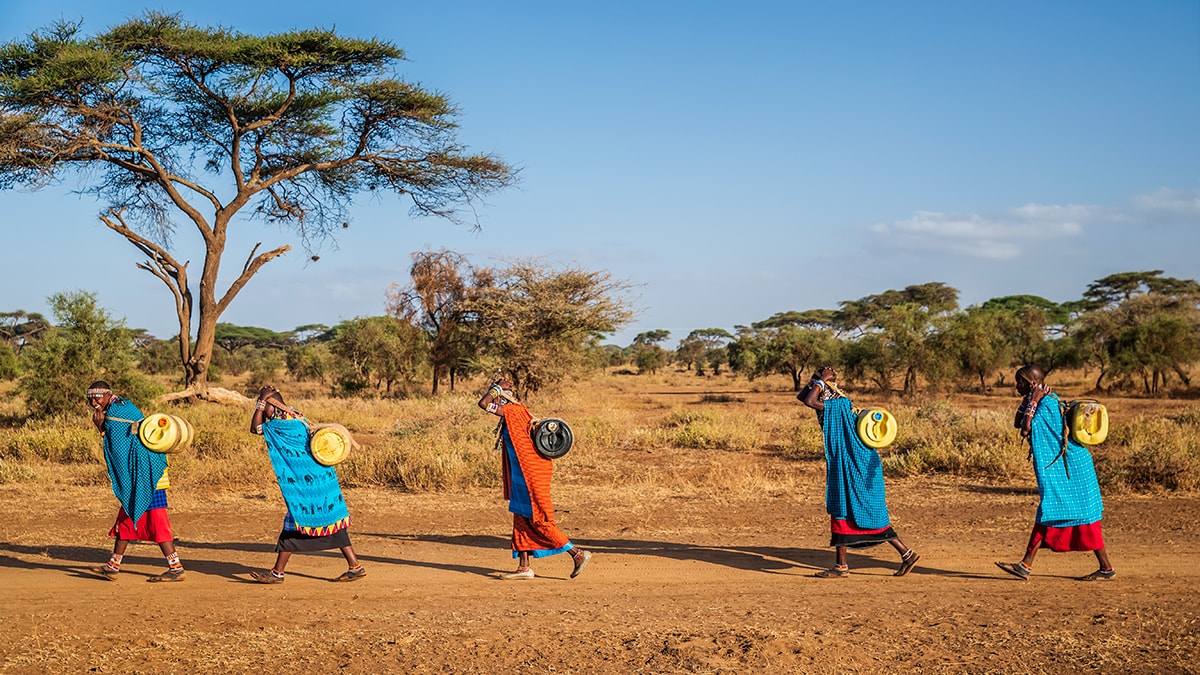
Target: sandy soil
{"type": "Point", "coordinates": [694, 586]}
{"type": "Point", "coordinates": [710, 583]}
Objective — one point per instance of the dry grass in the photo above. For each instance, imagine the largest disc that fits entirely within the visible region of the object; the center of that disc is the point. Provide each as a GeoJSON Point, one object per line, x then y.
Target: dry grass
{"type": "Point", "coordinates": [723, 436]}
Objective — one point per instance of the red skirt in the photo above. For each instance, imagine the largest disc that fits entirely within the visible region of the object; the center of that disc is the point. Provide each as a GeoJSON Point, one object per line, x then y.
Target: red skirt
{"type": "Point", "coordinates": [152, 526]}
{"type": "Point", "coordinates": [1062, 539]}
{"type": "Point", "coordinates": [538, 537]}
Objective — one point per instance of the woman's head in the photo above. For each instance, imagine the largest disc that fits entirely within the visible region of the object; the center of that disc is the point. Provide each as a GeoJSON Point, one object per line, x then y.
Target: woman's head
{"type": "Point", "coordinates": [1027, 377]}
{"type": "Point", "coordinates": [825, 374]}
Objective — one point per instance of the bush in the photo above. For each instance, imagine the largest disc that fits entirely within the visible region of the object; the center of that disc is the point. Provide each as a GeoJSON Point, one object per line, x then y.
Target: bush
{"type": "Point", "coordinates": [63, 439]}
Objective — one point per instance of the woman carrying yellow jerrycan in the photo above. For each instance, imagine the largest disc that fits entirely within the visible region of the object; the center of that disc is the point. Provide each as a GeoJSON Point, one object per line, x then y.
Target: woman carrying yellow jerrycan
{"type": "Point", "coordinates": [316, 518]}
{"type": "Point", "coordinates": [139, 482]}
{"type": "Point", "coordinates": [854, 493]}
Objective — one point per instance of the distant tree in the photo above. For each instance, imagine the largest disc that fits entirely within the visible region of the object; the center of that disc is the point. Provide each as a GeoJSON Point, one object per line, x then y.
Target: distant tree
{"type": "Point", "coordinates": [786, 349]}
{"type": "Point", "coordinates": [310, 362]}
{"type": "Point", "coordinates": [788, 343]}
{"type": "Point", "coordinates": [19, 327]}
{"type": "Point", "coordinates": [650, 358]}
{"type": "Point", "coordinates": [538, 323]}
{"type": "Point", "coordinates": [651, 337]}
{"type": "Point", "coordinates": [170, 120]}
{"type": "Point", "coordinates": [157, 357]}
{"type": "Point", "coordinates": [1141, 325]}
{"type": "Point", "coordinates": [435, 301]}
{"type": "Point", "coordinates": [232, 338]}
{"type": "Point", "coordinates": [690, 352]}
{"type": "Point", "coordinates": [714, 341]}
{"type": "Point", "coordinates": [648, 354]}
{"type": "Point", "coordinates": [85, 345]}
{"type": "Point", "coordinates": [977, 342]}
{"type": "Point", "coordinates": [1115, 289]}
{"type": "Point", "coordinates": [311, 332]}
{"type": "Point", "coordinates": [904, 321]}
{"type": "Point", "coordinates": [378, 351]}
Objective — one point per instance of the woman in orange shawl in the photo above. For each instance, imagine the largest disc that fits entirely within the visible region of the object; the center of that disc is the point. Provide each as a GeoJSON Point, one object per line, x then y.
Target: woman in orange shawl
{"type": "Point", "coordinates": [527, 487]}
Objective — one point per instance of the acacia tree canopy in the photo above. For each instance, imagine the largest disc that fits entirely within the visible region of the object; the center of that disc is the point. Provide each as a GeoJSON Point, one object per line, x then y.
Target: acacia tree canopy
{"type": "Point", "coordinates": [175, 123]}
{"type": "Point", "coordinates": [535, 322]}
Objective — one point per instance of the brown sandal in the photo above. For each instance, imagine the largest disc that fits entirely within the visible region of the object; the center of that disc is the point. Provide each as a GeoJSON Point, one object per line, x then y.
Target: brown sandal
{"type": "Point", "coordinates": [832, 573]}
{"type": "Point", "coordinates": [907, 565]}
{"type": "Point", "coordinates": [105, 571]}
{"type": "Point", "coordinates": [169, 575]}
{"type": "Point", "coordinates": [265, 577]}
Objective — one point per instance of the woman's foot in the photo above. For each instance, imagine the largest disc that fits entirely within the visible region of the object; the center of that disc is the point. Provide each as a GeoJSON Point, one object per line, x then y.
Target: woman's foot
{"type": "Point", "coordinates": [267, 577]}
{"type": "Point", "coordinates": [105, 571]}
{"type": "Point", "coordinates": [1100, 575]}
{"type": "Point", "coordinates": [833, 573]}
{"type": "Point", "coordinates": [521, 573]}
{"type": "Point", "coordinates": [907, 562]}
{"type": "Point", "coordinates": [353, 574]}
{"type": "Point", "coordinates": [175, 574]}
{"type": "Point", "coordinates": [581, 562]}
{"type": "Point", "coordinates": [1018, 570]}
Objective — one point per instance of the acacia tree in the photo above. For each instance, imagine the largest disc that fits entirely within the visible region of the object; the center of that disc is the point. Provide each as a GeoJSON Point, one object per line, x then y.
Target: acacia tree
{"type": "Point", "coordinates": [172, 121]}
{"type": "Point", "coordinates": [649, 355]}
{"type": "Point", "coordinates": [903, 320]}
{"type": "Point", "coordinates": [536, 323]}
{"type": "Point", "coordinates": [435, 302]}
{"type": "Point", "coordinates": [19, 328]}
{"type": "Point", "coordinates": [232, 338]}
{"type": "Point", "coordinates": [1141, 323]}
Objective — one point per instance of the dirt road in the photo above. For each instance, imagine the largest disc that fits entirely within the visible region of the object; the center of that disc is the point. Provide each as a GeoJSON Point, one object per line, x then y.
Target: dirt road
{"type": "Point", "coordinates": [697, 584]}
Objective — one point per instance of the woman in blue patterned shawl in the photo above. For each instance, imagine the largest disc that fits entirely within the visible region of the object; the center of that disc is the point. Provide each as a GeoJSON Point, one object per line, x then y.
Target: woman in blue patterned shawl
{"type": "Point", "coordinates": [1068, 515]}
{"type": "Point", "coordinates": [139, 482]}
{"type": "Point", "coordinates": [316, 518]}
{"type": "Point", "coordinates": [854, 494]}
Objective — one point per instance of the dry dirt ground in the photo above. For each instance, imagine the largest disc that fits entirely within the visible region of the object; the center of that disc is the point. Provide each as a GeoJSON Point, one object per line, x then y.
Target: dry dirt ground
{"type": "Point", "coordinates": [703, 583]}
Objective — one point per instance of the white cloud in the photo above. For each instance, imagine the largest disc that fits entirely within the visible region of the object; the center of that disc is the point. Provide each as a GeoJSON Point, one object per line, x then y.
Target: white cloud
{"type": "Point", "coordinates": [1170, 202]}
{"type": "Point", "coordinates": [974, 235]}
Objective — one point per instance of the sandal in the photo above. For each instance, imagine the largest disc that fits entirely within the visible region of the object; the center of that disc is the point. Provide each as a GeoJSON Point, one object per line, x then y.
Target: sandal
{"type": "Point", "coordinates": [580, 563]}
{"type": "Point", "coordinates": [350, 575]}
{"type": "Point", "coordinates": [105, 571]}
{"type": "Point", "coordinates": [1014, 569]}
{"type": "Point", "coordinates": [265, 577]}
{"type": "Point", "coordinates": [169, 575]}
{"type": "Point", "coordinates": [907, 565]}
{"type": "Point", "coordinates": [832, 573]}
{"type": "Point", "coordinates": [1099, 575]}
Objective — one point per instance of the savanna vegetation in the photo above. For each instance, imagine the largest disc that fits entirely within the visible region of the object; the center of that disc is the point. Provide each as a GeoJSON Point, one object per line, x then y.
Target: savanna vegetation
{"type": "Point", "coordinates": [940, 370]}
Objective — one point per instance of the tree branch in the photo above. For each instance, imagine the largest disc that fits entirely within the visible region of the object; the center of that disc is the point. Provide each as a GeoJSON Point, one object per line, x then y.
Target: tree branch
{"type": "Point", "coordinates": [253, 264]}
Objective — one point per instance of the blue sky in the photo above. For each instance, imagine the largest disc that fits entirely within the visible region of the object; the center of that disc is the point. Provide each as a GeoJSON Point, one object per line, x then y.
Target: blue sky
{"type": "Point", "coordinates": [728, 160]}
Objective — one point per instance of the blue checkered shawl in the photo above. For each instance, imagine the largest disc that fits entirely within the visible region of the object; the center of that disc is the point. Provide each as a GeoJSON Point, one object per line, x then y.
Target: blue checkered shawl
{"type": "Point", "coordinates": [853, 472]}
{"type": "Point", "coordinates": [133, 469]}
{"type": "Point", "coordinates": [311, 491]}
{"type": "Point", "coordinates": [1070, 493]}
